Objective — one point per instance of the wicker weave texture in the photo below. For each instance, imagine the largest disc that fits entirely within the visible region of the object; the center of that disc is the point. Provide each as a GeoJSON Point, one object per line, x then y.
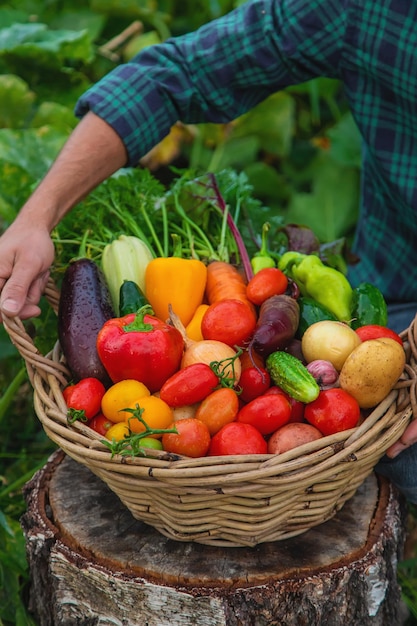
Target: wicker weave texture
{"type": "Point", "coordinates": [225, 501]}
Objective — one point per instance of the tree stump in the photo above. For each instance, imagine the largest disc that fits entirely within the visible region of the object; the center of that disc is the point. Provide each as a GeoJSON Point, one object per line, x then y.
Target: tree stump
{"type": "Point", "coordinates": [91, 563]}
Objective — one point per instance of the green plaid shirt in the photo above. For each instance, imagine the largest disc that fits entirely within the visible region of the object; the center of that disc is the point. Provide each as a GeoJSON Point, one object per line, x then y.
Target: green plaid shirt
{"type": "Point", "coordinates": [233, 63]}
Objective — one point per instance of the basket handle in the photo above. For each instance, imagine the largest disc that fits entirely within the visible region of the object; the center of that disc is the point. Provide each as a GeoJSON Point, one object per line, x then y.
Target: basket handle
{"type": "Point", "coordinates": [20, 338]}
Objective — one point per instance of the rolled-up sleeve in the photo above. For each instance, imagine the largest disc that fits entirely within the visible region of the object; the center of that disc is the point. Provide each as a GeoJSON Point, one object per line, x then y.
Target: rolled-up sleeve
{"type": "Point", "coordinates": [220, 71]}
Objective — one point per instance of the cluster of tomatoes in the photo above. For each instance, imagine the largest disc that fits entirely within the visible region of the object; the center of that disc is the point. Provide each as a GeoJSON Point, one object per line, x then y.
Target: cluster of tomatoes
{"type": "Point", "coordinates": [197, 411]}
{"type": "Point", "coordinates": [194, 416]}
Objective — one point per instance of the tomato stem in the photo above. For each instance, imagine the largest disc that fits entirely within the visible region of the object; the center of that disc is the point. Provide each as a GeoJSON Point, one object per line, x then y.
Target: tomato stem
{"type": "Point", "coordinates": [76, 415]}
{"type": "Point", "coordinates": [130, 444]}
{"type": "Point", "coordinates": [220, 369]}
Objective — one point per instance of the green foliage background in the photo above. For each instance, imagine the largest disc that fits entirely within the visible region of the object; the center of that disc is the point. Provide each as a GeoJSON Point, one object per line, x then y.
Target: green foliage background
{"type": "Point", "coordinates": [300, 152]}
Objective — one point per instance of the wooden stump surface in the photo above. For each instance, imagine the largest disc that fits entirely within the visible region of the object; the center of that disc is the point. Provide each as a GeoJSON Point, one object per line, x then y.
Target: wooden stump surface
{"type": "Point", "coordinates": [92, 563]}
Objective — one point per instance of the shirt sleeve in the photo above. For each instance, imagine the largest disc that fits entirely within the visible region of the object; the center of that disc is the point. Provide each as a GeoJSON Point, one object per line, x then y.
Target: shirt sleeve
{"type": "Point", "coordinates": [220, 71]}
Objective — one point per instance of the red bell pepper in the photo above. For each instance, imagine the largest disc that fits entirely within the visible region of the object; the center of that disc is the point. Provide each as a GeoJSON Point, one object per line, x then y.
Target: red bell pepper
{"type": "Point", "coordinates": [141, 347]}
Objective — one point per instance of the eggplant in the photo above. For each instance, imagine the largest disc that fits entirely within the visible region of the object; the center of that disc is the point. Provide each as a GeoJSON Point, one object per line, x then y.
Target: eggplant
{"type": "Point", "coordinates": [277, 324]}
{"type": "Point", "coordinates": [84, 306]}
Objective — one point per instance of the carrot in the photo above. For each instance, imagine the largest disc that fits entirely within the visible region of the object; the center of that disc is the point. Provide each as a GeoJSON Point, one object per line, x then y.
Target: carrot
{"type": "Point", "coordinates": [224, 281]}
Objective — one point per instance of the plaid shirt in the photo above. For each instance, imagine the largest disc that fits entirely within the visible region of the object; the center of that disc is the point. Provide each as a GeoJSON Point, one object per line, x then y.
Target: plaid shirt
{"type": "Point", "coordinates": [231, 64]}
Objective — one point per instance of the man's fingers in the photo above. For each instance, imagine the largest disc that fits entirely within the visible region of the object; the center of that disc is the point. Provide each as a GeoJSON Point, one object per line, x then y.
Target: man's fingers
{"type": "Point", "coordinates": [407, 439]}
{"type": "Point", "coordinates": [20, 294]}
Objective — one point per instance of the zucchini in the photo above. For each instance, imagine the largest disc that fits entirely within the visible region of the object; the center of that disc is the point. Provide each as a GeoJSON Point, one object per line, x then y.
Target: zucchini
{"type": "Point", "coordinates": [311, 312]}
{"type": "Point", "coordinates": [288, 373]}
{"type": "Point", "coordinates": [131, 298]}
{"type": "Point", "coordinates": [368, 306]}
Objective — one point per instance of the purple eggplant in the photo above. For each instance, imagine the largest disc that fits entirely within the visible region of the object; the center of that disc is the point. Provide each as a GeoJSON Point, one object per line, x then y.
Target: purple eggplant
{"type": "Point", "coordinates": [84, 306]}
{"type": "Point", "coordinates": [277, 324]}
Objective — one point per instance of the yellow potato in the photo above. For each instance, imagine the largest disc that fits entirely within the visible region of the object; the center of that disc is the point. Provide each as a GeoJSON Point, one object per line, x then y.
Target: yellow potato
{"type": "Point", "coordinates": [371, 370]}
{"type": "Point", "coordinates": [328, 340]}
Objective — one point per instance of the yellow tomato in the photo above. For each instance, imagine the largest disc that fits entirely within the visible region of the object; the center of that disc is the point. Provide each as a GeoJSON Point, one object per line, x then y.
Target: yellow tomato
{"type": "Point", "coordinates": [155, 412]}
{"type": "Point", "coordinates": [122, 395]}
{"type": "Point", "coordinates": [117, 432]}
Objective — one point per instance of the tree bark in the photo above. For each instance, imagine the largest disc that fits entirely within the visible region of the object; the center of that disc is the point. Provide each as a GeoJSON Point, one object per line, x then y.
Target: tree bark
{"type": "Point", "coordinates": [91, 563]}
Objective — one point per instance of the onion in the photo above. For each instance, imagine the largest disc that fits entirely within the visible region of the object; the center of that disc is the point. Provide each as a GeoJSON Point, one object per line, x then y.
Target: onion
{"type": "Point", "coordinates": [208, 351]}
{"type": "Point", "coordinates": [329, 340]}
{"type": "Point", "coordinates": [324, 372]}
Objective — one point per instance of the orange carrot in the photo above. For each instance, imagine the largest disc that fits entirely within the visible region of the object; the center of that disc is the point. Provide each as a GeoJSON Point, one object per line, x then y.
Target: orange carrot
{"type": "Point", "coordinates": [224, 281]}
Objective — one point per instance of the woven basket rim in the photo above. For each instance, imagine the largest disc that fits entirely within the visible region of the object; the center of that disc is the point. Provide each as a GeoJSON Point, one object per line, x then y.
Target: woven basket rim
{"type": "Point", "coordinates": [228, 501]}
{"type": "Point", "coordinates": [49, 372]}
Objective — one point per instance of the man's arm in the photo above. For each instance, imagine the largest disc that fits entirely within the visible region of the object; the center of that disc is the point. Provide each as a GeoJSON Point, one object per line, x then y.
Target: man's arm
{"type": "Point", "coordinates": [215, 74]}
{"type": "Point", "coordinates": [93, 152]}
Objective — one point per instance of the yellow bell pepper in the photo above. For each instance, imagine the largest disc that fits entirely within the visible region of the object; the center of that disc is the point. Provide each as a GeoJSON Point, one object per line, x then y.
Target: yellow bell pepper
{"type": "Point", "coordinates": [193, 329]}
{"type": "Point", "coordinates": [177, 282]}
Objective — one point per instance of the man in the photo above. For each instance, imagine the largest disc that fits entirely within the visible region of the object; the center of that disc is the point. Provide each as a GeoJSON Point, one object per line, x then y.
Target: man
{"type": "Point", "coordinates": [219, 73]}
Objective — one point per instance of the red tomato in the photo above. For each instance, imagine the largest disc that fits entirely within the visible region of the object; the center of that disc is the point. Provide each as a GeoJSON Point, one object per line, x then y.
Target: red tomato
{"type": "Point", "coordinates": [333, 410]}
{"type": "Point", "coordinates": [229, 321]}
{"type": "Point", "coordinates": [237, 438]}
{"type": "Point", "coordinates": [219, 408]}
{"type": "Point", "coordinates": [269, 281]}
{"type": "Point", "coordinates": [373, 331]}
{"type": "Point", "coordinates": [253, 381]}
{"type": "Point", "coordinates": [100, 423]}
{"type": "Point", "coordinates": [84, 398]}
{"type": "Point", "coordinates": [189, 385]}
{"type": "Point", "coordinates": [193, 438]}
{"type": "Point", "coordinates": [297, 407]}
{"type": "Point", "coordinates": [266, 413]}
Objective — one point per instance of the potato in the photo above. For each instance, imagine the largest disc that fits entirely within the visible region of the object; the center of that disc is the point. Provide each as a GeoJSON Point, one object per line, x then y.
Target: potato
{"type": "Point", "coordinates": [371, 370]}
{"type": "Point", "coordinates": [291, 436]}
{"type": "Point", "coordinates": [329, 341]}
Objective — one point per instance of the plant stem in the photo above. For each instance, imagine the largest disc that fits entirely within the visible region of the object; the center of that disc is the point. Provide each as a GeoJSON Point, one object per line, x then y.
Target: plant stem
{"type": "Point", "coordinates": [8, 396]}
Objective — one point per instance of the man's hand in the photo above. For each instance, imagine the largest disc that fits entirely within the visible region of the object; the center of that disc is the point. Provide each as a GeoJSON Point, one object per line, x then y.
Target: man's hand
{"type": "Point", "coordinates": [26, 254]}
{"type": "Point", "coordinates": [408, 437]}
{"type": "Point", "coordinates": [93, 152]}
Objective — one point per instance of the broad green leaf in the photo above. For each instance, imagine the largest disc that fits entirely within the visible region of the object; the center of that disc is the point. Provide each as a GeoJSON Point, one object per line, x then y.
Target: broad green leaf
{"type": "Point", "coordinates": [16, 100]}
{"type": "Point", "coordinates": [79, 20]}
{"type": "Point", "coordinates": [331, 209]}
{"type": "Point", "coordinates": [345, 142]}
{"type": "Point", "coordinates": [131, 8]}
{"type": "Point", "coordinates": [43, 47]}
{"type": "Point", "coordinates": [272, 122]}
{"type": "Point", "coordinates": [10, 16]}
{"type": "Point", "coordinates": [267, 181]}
{"type": "Point", "coordinates": [15, 186]}
{"type": "Point", "coordinates": [236, 152]}
{"type": "Point", "coordinates": [52, 114]}
{"type": "Point", "coordinates": [32, 150]}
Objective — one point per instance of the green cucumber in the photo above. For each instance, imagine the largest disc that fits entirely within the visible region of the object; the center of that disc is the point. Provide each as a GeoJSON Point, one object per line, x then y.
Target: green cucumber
{"type": "Point", "coordinates": [368, 306]}
{"type": "Point", "coordinates": [288, 373]}
{"type": "Point", "coordinates": [131, 298]}
{"type": "Point", "coordinates": [311, 312]}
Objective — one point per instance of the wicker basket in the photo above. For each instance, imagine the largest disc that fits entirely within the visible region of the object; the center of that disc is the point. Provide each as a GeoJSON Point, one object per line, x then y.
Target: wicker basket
{"type": "Point", "coordinates": [225, 501]}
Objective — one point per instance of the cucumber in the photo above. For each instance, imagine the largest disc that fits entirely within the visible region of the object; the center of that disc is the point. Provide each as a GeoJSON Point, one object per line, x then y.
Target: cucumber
{"type": "Point", "coordinates": [311, 312]}
{"type": "Point", "coordinates": [131, 298]}
{"type": "Point", "coordinates": [288, 373]}
{"type": "Point", "coordinates": [368, 306]}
